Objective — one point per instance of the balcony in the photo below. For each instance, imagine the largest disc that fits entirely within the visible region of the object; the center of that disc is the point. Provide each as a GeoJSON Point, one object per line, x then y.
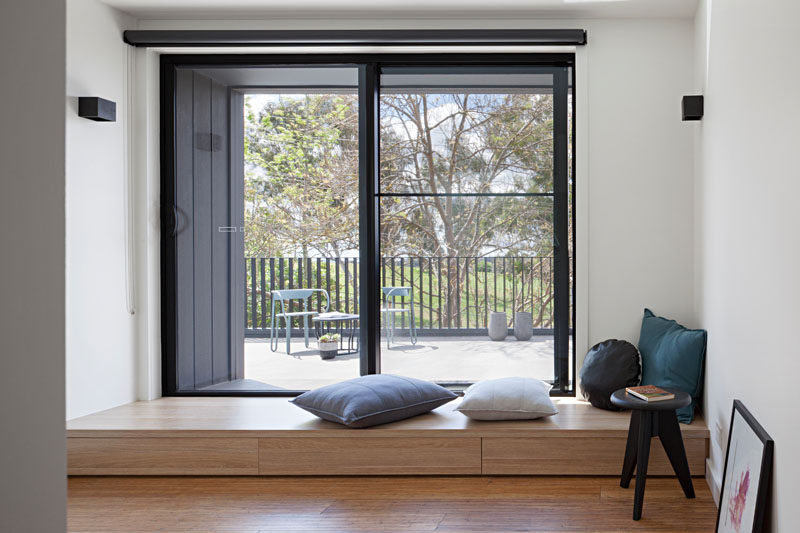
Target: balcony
{"type": "Point", "coordinates": [452, 299]}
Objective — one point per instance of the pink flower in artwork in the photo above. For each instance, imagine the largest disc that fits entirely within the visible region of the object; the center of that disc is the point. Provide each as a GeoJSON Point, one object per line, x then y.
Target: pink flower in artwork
{"type": "Point", "coordinates": [737, 501]}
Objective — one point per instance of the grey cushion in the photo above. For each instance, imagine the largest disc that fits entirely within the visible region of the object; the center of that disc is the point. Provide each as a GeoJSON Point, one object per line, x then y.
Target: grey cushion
{"type": "Point", "coordinates": [508, 399]}
{"type": "Point", "coordinates": [374, 399]}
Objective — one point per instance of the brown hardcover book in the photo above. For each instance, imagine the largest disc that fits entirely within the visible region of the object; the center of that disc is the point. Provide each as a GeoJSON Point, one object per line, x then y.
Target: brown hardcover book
{"type": "Point", "coordinates": [650, 393]}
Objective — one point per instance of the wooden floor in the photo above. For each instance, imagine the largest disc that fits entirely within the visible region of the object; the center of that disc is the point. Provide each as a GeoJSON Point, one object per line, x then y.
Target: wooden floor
{"type": "Point", "coordinates": [380, 504]}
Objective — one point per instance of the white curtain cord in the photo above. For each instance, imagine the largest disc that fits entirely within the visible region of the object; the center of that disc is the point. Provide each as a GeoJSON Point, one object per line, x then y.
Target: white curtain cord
{"type": "Point", "coordinates": [130, 295]}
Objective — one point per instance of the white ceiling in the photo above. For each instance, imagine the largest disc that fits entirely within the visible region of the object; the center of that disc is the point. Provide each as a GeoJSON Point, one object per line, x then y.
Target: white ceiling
{"type": "Point", "coordinates": [439, 9]}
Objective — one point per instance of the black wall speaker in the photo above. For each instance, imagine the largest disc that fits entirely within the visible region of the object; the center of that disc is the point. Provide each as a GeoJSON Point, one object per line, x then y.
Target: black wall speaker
{"type": "Point", "coordinates": [692, 107]}
{"type": "Point", "coordinates": [96, 108]}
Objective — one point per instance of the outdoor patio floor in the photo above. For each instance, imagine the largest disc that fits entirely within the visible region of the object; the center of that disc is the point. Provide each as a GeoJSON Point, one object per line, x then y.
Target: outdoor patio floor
{"type": "Point", "coordinates": [443, 359]}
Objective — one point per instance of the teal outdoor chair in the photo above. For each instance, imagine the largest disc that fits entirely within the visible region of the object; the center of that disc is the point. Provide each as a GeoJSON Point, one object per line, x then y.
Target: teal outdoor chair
{"type": "Point", "coordinates": [282, 298]}
{"type": "Point", "coordinates": [390, 312]}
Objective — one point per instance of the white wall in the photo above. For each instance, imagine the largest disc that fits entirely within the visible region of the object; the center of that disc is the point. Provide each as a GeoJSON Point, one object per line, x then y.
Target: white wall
{"type": "Point", "coordinates": [32, 442]}
{"type": "Point", "coordinates": [101, 333]}
{"type": "Point", "coordinates": [640, 176]}
{"type": "Point", "coordinates": [635, 163]}
{"type": "Point", "coordinates": [634, 190]}
{"type": "Point", "coordinates": [748, 248]}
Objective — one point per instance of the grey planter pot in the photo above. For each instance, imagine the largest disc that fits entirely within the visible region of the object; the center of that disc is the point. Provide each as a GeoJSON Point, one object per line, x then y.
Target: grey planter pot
{"type": "Point", "coordinates": [328, 350]}
{"type": "Point", "coordinates": [498, 325]}
{"type": "Point", "coordinates": [523, 325]}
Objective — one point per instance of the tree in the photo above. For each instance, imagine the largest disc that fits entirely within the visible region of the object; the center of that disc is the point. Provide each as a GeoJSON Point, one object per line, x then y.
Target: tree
{"type": "Point", "coordinates": [301, 176]}
{"type": "Point", "coordinates": [437, 146]}
{"type": "Point", "coordinates": [463, 144]}
{"type": "Point", "coordinates": [437, 151]}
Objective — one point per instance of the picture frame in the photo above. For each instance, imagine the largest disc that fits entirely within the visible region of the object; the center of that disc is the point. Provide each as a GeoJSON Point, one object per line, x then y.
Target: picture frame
{"type": "Point", "coordinates": [747, 473]}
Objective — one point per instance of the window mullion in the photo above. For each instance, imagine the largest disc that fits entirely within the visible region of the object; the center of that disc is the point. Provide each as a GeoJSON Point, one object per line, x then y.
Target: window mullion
{"type": "Point", "coordinates": [369, 235]}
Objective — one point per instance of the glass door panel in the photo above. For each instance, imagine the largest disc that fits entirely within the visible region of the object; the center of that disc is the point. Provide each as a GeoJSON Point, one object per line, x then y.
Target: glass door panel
{"type": "Point", "coordinates": [467, 228]}
{"type": "Point", "coordinates": [267, 196]}
{"type": "Point", "coordinates": [301, 227]}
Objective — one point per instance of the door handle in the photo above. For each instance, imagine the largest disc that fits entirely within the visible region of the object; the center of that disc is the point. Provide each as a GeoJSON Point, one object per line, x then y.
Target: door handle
{"type": "Point", "coordinates": [175, 215]}
{"type": "Point", "coordinates": [170, 217]}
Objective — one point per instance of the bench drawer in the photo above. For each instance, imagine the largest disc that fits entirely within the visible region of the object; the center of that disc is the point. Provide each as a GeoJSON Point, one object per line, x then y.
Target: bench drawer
{"type": "Point", "coordinates": [368, 455]}
{"type": "Point", "coordinates": [165, 456]}
{"type": "Point", "coordinates": [596, 456]}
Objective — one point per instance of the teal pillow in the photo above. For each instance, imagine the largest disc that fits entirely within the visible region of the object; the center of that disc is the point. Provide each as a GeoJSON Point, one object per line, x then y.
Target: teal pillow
{"type": "Point", "coordinates": [673, 356]}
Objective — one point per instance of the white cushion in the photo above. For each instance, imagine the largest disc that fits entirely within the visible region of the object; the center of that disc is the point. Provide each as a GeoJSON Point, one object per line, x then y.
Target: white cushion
{"type": "Point", "coordinates": [508, 399]}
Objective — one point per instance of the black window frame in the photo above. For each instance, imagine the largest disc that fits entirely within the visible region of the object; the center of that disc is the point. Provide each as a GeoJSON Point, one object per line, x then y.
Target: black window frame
{"type": "Point", "coordinates": [369, 66]}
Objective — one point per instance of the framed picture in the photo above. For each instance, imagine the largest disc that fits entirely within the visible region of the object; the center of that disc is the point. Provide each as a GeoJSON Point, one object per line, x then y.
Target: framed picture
{"type": "Point", "coordinates": [746, 478]}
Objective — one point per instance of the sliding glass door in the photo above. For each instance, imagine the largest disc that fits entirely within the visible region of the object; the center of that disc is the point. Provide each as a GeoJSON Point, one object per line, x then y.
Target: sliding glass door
{"type": "Point", "coordinates": [397, 207]}
{"type": "Point", "coordinates": [468, 221]}
{"type": "Point", "coordinates": [301, 227]}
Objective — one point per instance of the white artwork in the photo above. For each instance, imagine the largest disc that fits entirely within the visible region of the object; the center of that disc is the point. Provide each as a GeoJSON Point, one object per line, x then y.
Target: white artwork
{"type": "Point", "coordinates": [742, 473]}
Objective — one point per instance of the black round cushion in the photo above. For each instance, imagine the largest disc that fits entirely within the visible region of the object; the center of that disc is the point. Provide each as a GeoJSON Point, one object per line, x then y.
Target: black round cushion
{"type": "Point", "coordinates": [609, 365]}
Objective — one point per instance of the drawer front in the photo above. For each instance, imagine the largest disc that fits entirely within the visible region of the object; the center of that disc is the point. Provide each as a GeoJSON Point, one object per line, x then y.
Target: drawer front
{"type": "Point", "coordinates": [369, 455]}
{"type": "Point", "coordinates": [579, 456]}
{"type": "Point", "coordinates": [162, 456]}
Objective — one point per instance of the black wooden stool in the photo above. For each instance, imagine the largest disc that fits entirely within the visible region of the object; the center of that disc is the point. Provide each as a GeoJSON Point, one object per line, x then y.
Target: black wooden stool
{"type": "Point", "coordinates": [648, 420]}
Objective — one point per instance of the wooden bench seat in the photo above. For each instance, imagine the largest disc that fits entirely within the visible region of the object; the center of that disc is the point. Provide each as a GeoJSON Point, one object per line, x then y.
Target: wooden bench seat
{"type": "Point", "coordinates": [269, 436]}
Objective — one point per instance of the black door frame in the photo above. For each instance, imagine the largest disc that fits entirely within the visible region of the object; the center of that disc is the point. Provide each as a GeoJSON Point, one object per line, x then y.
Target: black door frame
{"type": "Point", "coordinates": [369, 66]}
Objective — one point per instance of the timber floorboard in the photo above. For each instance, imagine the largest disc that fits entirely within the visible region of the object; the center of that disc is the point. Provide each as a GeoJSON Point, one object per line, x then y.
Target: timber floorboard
{"type": "Point", "coordinates": [381, 504]}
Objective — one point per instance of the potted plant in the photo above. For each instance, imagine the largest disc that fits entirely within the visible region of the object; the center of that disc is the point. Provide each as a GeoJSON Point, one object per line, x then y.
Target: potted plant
{"type": "Point", "coordinates": [329, 345]}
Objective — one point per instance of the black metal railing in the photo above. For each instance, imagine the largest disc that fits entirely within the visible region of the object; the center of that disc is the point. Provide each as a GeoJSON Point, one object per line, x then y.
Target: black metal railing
{"type": "Point", "coordinates": [452, 295]}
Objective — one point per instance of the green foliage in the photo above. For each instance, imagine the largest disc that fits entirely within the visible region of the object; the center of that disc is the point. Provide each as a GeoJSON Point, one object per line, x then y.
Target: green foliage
{"type": "Point", "coordinates": [301, 180]}
{"type": "Point", "coordinates": [301, 169]}
{"type": "Point", "coordinates": [330, 337]}
{"type": "Point", "coordinates": [466, 143]}
{"type": "Point", "coordinates": [301, 191]}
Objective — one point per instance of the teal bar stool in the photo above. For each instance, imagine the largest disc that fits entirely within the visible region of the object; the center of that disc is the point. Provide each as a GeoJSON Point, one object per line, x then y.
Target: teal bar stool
{"type": "Point", "coordinates": [390, 312]}
{"type": "Point", "coordinates": [282, 298]}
